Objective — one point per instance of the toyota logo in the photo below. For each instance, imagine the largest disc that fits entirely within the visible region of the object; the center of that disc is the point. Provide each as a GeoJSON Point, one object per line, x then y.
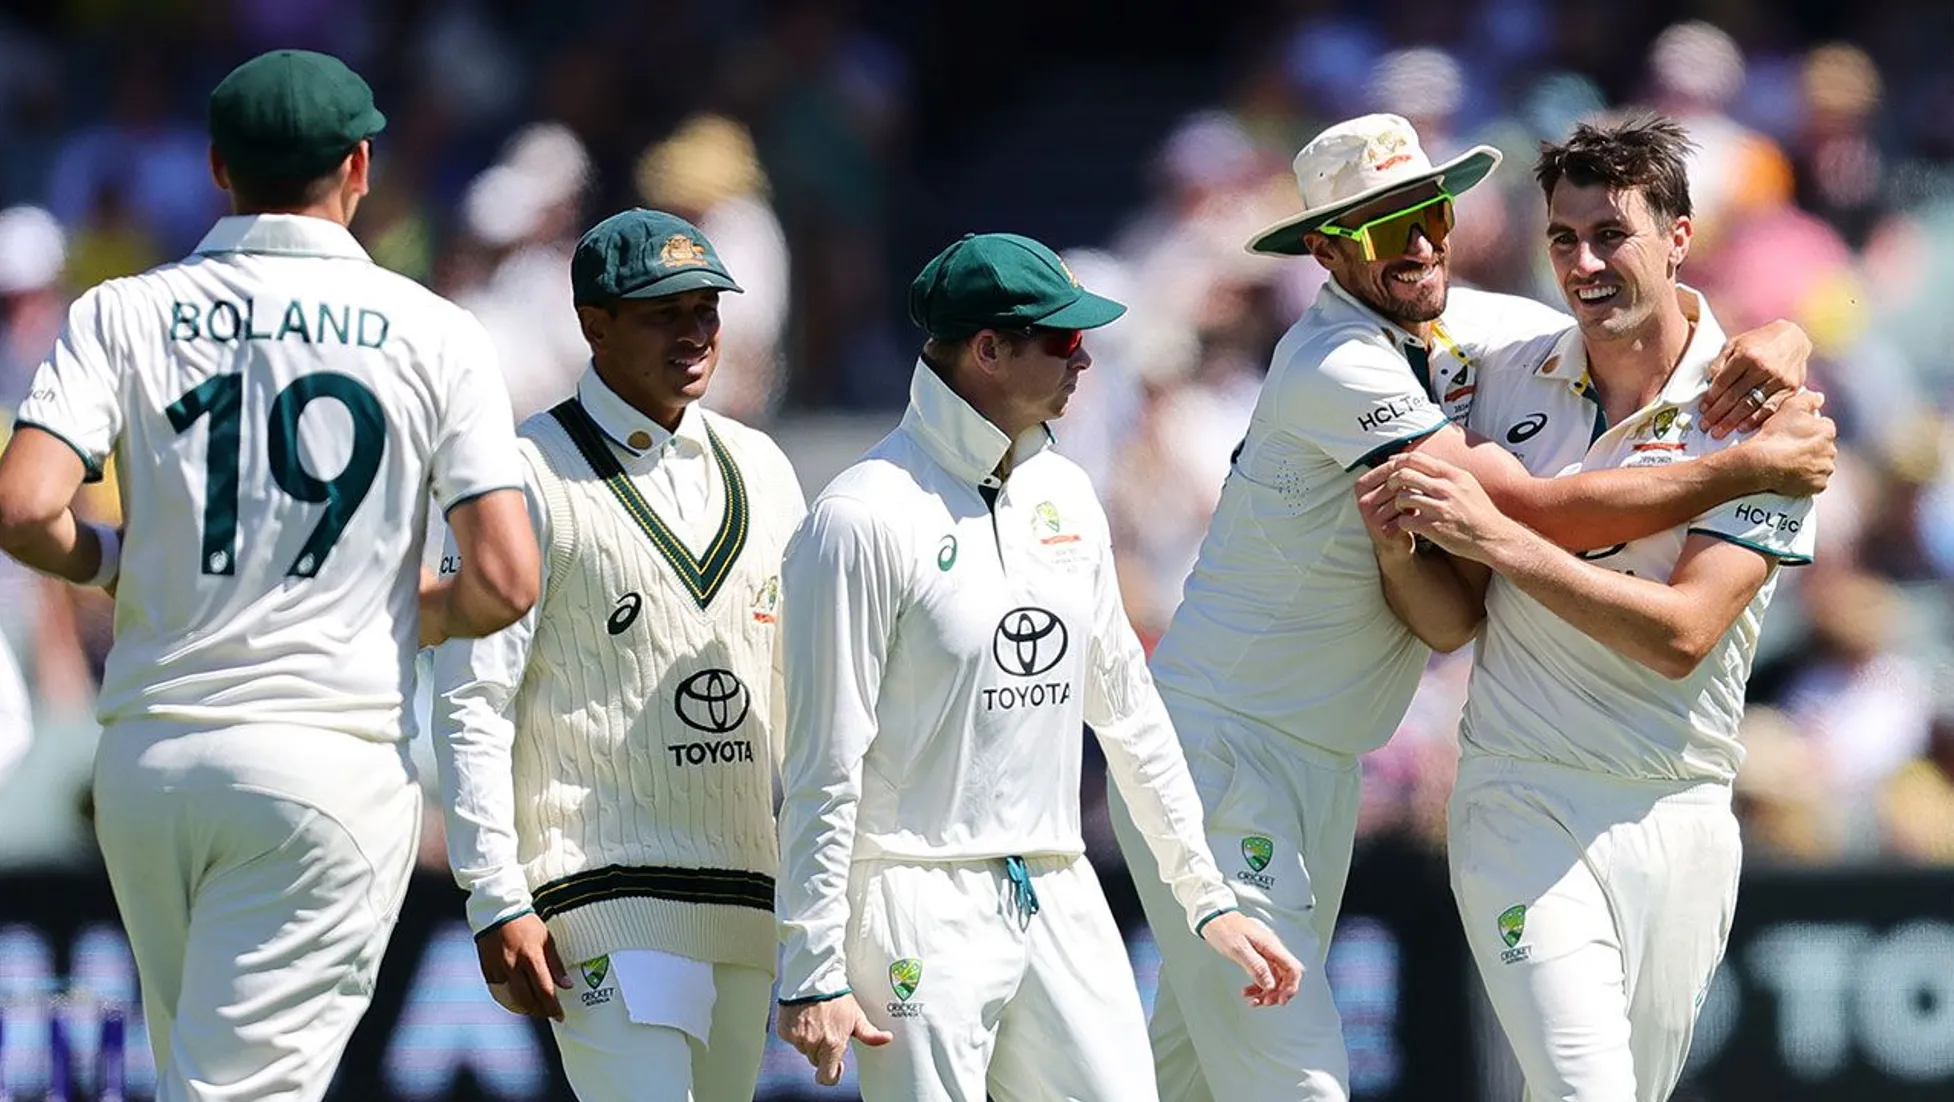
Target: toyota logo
{"type": "Point", "coordinates": [1029, 641]}
{"type": "Point", "coordinates": [714, 701]}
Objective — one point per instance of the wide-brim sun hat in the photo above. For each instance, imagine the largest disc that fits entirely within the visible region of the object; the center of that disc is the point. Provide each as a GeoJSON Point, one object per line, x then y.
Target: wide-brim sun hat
{"type": "Point", "coordinates": [1355, 162]}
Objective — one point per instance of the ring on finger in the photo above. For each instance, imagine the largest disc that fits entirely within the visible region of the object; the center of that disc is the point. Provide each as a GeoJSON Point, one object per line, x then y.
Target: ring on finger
{"type": "Point", "coordinates": [1755, 395]}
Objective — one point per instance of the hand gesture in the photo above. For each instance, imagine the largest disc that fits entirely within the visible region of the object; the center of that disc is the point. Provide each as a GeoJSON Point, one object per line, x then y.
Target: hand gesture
{"type": "Point", "coordinates": [821, 1031]}
{"type": "Point", "coordinates": [1274, 972]}
{"type": "Point", "coordinates": [1377, 503]}
{"type": "Point", "coordinates": [1797, 447]}
{"type": "Point", "coordinates": [519, 962]}
{"type": "Point", "coordinates": [1445, 504]}
{"type": "Point", "coordinates": [1752, 376]}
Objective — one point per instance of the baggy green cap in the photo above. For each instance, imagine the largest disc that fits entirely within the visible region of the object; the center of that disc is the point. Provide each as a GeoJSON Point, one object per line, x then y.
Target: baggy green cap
{"type": "Point", "coordinates": [643, 253]}
{"type": "Point", "coordinates": [291, 115]}
{"type": "Point", "coordinates": [1002, 281]}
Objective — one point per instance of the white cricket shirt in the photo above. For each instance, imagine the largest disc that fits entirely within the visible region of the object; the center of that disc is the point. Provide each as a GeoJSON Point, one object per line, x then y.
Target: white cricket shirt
{"type": "Point", "coordinates": [1283, 620]}
{"type": "Point", "coordinates": [279, 407]}
{"type": "Point", "coordinates": [942, 652]}
{"type": "Point", "coordinates": [1541, 689]}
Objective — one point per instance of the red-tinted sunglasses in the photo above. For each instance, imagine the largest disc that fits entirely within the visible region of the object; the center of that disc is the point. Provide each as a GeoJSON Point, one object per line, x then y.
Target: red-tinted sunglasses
{"type": "Point", "coordinates": [1063, 343]}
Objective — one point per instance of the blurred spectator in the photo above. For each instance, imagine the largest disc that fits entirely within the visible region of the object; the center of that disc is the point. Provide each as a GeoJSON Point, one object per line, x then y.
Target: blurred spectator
{"type": "Point", "coordinates": [1916, 806]}
{"type": "Point", "coordinates": [526, 212]}
{"type": "Point", "coordinates": [1789, 813]}
{"type": "Point", "coordinates": [1837, 165]}
{"type": "Point", "coordinates": [1695, 70]}
{"type": "Point", "coordinates": [1861, 700]}
{"type": "Point", "coordinates": [708, 173]}
{"type": "Point", "coordinates": [142, 173]}
{"type": "Point", "coordinates": [32, 252]}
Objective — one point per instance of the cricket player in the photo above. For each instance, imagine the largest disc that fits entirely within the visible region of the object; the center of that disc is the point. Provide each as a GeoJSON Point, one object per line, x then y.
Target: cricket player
{"type": "Point", "coordinates": [279, 409]}
{"type": "Point", "coordinates": [607, 762]}
{"type": "Point", "coordinates": [1284, 662]}
{"type": "Point", "coordinates": [1594, 853]}
{"type": "Point", "coordinates": [952, 619]}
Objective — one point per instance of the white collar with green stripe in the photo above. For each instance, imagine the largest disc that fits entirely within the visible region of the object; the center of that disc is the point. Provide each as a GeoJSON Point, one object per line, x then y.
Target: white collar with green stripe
{"type": "Point", "coordinates": [964, 441]}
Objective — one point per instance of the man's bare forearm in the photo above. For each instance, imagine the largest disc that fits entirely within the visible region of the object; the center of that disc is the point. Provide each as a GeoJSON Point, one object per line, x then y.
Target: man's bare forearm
{"type": "Point", "coordinates": [1597, 509]}
{"type": "Point", "coordinates": [1430, 595]}
{"type": "Point", "coordinates": [57, 545]}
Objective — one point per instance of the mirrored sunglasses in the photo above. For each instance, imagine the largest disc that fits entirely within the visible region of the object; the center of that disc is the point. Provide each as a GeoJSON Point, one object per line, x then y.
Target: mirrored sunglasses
{"type": "Point", "coordinates": [1063, 343]}
{"type": "Point", "coordinates": [1389, 235]}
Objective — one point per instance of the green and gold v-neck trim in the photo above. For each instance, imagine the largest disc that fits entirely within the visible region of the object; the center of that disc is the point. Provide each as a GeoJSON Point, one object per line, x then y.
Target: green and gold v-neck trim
{"type": "Point", "coordinates": [703, 576]}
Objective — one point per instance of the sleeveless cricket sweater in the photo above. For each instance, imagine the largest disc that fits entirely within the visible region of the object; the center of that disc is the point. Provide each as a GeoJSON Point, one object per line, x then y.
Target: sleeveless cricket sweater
{"type": "Point", "coordinates": [643, 761]}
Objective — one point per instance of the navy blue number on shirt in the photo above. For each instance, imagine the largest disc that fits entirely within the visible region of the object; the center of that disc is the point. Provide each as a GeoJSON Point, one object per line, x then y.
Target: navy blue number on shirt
{"type": "Point", "coordinates": [221, 398]}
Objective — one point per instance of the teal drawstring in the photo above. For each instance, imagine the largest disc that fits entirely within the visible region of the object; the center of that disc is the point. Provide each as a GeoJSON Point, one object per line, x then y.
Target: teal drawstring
{"type": "Point", "coordinates": [1026, 895]}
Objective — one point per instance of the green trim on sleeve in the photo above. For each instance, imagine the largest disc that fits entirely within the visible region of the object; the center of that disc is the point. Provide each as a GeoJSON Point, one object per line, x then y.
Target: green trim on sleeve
{"type": "Point", "coordinates": [817, 998]}
{"type": "Point", "coordinates": [476, 496]}
{"type": "Point", "coordinates": [1390, 448]}
{"type": "Point", "coordinates": [503, 921]}
{"type": "Point", "coordinates": [1782, 558]}
{"type": "Point", "coordinates": [1203, 924]}
{"type": "Point", "coordinates": [92, 471]}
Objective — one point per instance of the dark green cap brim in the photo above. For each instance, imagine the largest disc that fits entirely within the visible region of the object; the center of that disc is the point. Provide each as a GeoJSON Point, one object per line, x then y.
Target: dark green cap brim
{"type": "Point", "coordinates": [1088, 311]}
{"type": "Point", "coordinates": [1286, 238]}
{"type": "Point", "coordinates": [680, 282]}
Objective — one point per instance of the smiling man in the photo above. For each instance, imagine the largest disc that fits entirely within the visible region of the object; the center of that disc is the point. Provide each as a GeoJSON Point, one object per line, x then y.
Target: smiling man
{"type": "Point", "coordinates": [1593, 849]}
{"type": "Point", "coordinates": [607, 762]}
{"type": "Point", "coordinates": [1284, 662]}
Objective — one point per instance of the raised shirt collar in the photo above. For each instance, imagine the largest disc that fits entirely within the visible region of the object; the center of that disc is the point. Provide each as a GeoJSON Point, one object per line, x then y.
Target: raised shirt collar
{"type": "Point", "coordinates": [959, 437]}
{"type": "Point", "coordinates": [631, 428]}
{"type": "Point", "coordinates": [281, 235]}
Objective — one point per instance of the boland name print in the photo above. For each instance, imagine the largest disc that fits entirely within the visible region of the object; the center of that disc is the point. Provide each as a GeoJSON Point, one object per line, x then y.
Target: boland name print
{"type": "Point", "coordinates": [225, 321]}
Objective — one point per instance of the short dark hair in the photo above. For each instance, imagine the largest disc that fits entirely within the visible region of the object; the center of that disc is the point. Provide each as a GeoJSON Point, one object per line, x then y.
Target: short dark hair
{"type": "Point", "coordinates": [1649, 152]}
{"type": "Point", "coordinates": [285, 193]}
{"type": "Point", "coordinates": [942, 355]}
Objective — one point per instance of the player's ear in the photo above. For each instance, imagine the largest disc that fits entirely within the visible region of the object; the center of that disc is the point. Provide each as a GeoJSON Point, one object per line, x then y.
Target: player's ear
{"type": "Point", "coordinates": [595, 321]}
{"type": "Point", "coordinates": [1321, 250]}
{"type": "Point", "coordinates": [219, 174]}
{"type": "Point", "coordinates": [1680, 236]}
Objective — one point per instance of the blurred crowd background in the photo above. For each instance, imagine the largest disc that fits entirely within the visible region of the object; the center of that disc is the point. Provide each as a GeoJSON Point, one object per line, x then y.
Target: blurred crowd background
{"type": "Point", "coordinates": [828, 147]}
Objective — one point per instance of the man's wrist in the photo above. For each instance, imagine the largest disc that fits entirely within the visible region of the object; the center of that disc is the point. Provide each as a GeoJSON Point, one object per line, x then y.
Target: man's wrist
{"type": "Point", "coordinates": [109, 566]}
{"type": "Point", "coordinates": [1739, 471]}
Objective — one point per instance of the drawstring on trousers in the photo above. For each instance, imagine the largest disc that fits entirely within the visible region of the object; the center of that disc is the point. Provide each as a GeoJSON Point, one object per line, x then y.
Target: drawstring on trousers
{"type": "Point", "coordinates": [1023, 893]}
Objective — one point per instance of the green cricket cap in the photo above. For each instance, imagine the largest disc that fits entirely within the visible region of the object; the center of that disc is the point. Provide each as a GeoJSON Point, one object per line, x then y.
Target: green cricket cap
{"type": "Point", "coordinates": [1002, 281]}
{"type": "Point", "coordinates": [643, 253]}
{"type": "Point", "coordinates": [291, 115]}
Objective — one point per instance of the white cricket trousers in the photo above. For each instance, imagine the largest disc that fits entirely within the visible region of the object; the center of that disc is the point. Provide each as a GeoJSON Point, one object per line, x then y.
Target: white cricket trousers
{"type": "Point", "coordinates": [258, 871]}
{"type": "Point", "coordinates": [1281, 818]}
{"type": "Point", "coordinates": [608, 1057]}
{"type": "Point", "coordinates": [1597, 909]}
{"type": "Point", "coordinates": [984, 995]}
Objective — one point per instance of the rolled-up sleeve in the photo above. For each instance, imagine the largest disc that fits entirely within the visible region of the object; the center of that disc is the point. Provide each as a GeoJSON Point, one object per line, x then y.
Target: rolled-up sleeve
{"type": "Point", "coordinates": [841, 591]}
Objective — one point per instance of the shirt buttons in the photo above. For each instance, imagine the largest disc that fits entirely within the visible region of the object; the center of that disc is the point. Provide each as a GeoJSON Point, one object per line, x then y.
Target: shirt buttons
{"type": "Point", "coordinates": [640, 440]}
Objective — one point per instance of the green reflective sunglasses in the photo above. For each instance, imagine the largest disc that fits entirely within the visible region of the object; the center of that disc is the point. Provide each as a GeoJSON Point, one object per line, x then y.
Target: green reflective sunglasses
{"type": "Point", "coordinates": [1390, 234]}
